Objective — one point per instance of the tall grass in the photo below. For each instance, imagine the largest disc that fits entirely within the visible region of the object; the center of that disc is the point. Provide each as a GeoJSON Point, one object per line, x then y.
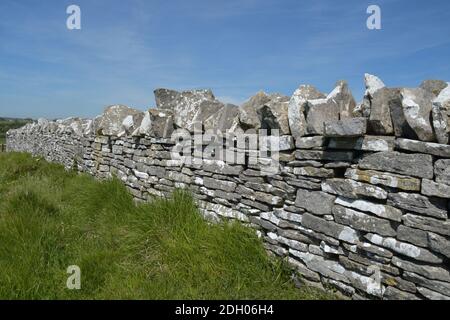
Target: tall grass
{"type": "Point", "coordinates": [51, 218]}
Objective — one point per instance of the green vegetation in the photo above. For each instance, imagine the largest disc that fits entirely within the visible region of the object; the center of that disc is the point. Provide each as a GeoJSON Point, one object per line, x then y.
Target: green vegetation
{"type": "Point", "coordinates": [10, 123]}
{"type": "Point", "coordinates": [51, 218]}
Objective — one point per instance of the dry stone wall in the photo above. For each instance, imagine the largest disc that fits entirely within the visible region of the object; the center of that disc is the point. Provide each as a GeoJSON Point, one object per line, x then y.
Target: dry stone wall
{"type": "Point", "coordinates": [359, 199]}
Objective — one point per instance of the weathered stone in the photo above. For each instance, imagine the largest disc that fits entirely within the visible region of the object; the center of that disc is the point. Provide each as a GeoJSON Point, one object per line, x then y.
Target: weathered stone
{"type": "Point", "coordinates": [305, 163]}
{"type": "Point", "coordinates": [352, 189]}
{"type": "Point", "coordinates": [317, 112]}
{"type": "Point", "coordinates": [439, 244]}
{"type": "Point", "coordinates": [296, 108]}
{"type": "Point", "coordinates": [431, 188]}
{"type": "Point", "coordinates": [337, 165]}
{"type": "Point", "coordinates": [418, 165]}
{"type": "Point", "coordinates": [324, 155]}
{"type": "Point", "coordinates": [342, 95]}
{"type": "Point", "coordinates": [370, 261]}
{"type": "Point", "coordinates": [417, 105]}
{"type": "Point", "coordinates": [274, 114]}
{"type": "Point", "coordinates": [373, 84]}
{"type": "Point", "coordinates": [312, 113]}
{"type": "Point", "coordinates": [131, 124]}
{"type": "Point", "coordinates": [178, 177]}
{"type": "Point", "coordinates": [267, 198]}
{"type": "Point", "coordinates": [310, 142]}
{"type": "Point", "coordinates": [157, 123]}
{"type": "Point", "coordinates": [296, 245]}
{"type": "Point", "coordinates": [112, 119]}
{"type": "Point", "coordinates": [317, 202]}
{"type": "Point", "coordinates": [385, 179]}
{"type": "Point", "coordinates": [224, 120]}
{"type": "Point", "coordinates": [392, 293]}
{"type": "Point", "coordinates": [434, 207]}
{"type": "Point", "coordinates": [369, 285]}
{"type": "Point", "coordinates": [366, 143]}
{"type": "Point", "coordinates": [303, 270]}
{"type": "Point", "coordinates": [295, 235]}
{"type": "Point", "coordinates": [303, 183]}
{"type": "Point", "coordinates": [426, 223]}
{"type": "Point", "coordinates": [352, 127]}
{"type": "Point", "coordinates": [435, 87]}
{"type": "Point", "coordinates": [441, 116]}
{"type": "Point", "coordinates": [361, 221]}
{"type": "Point", "coordinates": [248, 115]}
{"type": "Point", "coordinates": [352, 265]}
{"type": "Point", "coordinates": [398, 283]}
{"type": "Point", "coordinates": [220, 167]}
{"type": "Point", "coordinates": [255, 204]}
{"type": "Point", "coordinates": [381, 210]}
{"type": "Point", "coordinates": [223, 211]}
{"type": "Point", "coordinates": [432, 295]}
{"type": "Point", "coordinates": [264, 111]}
{"type": "Point", "coordinates": [374, 250]}
{"type": "Point", "coordinates": [436, 149]}
{"type": "Point", "coordinates": [401, 126]}
{"type": "Point", "coordinates": [276, 143]}
{"type": "Point", "coordinates": [166, 98]}
{"type": "Point", "coordinates": [380, 115]}
{"type": "Point", "coordinates": [330, 228]}
{"type": "Point", "coordinates": [211, 183]}
{"type": "Point", "coordinates": [190, 107]}
{"type": "Point", "coordinates": [282, 214]}
{"type": "Point", "coordinates": [314, 172]}
{"type": "Point", "coordinates": [328, 268]}
{"type": "Point", "coordinates": [442, 171]}
{"type": "Point", "coordinates": [435, 285]}
{"type": "Point", "coordinates": [404, 248]}
{"type": "Point", "coordinates": [430, 272]}
{"type": "Point", "coordinates": [330, 249]}
{"type": "Point", "coordinates": [412, 235]}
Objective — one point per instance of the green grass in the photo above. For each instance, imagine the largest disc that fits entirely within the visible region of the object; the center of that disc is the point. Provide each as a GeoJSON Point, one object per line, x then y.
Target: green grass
{"type": "Point", "coordinates": [51, 218]}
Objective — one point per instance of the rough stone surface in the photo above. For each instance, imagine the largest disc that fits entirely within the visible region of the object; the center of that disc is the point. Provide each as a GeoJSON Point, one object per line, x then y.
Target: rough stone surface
{"type": "Point", "coordinates": [403, 248]}
{"type": "Point", "coordinates": [417, 106]}
{"type": "Point", "coordinates": [411, 235]}
{"type": "Point", "coordinates": [384, 179]}
{"type": "Point", "coordinates": [352, 189]}
{"type": "Point", "coordinates": [330, 228]}
{"type": "Point", "coordinates": [380, 115]}
{"type": "Point", "coordinates": [442, 171]}
{"type": "Point", "coordinates": [362, 221]}
{"type": "Point", "coordinates": [441, 116]}
{"type": "Point", "coordinates": [296, 108]}
{"type": "Point", "coordinates": [433, 207]}
{"type": "Point", "coordinates": [436, 149]}
{"type": "Point", "coordinates": [111, 122]}
{"type": "Point", "coordinates": [379, 210]}
{"type": "Point", "coordinates": [430, 272]}
{"type": "Point", "coordinates": [428, 224]}
{"type": "Point", "coordinates": [439, 244]}
{"type": "Point", "coordinates": [352, 127]}
{"type": "Point", "coordinates": [317, 202]}
{"type": "Point", "coordinates": [366, 143]}
{"type": "Point", "coordinates": [417, 165]}
{"type": "Point", "coordinates": [431, 188]}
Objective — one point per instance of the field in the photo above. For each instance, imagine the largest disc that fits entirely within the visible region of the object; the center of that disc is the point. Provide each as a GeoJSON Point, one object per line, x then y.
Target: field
{"type": "Point", "coordinates": [51, 218]}
{"type": "Point", "coordinates": [10, 123]}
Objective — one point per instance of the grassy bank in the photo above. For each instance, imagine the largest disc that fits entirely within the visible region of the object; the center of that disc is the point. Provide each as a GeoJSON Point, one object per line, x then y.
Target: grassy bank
{"type": "Point", "coordinates": [50, 219]}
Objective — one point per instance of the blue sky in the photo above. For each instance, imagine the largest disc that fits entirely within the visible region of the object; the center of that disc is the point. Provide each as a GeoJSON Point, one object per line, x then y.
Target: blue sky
{"type": "Point", "coordinates": [126, 49]}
